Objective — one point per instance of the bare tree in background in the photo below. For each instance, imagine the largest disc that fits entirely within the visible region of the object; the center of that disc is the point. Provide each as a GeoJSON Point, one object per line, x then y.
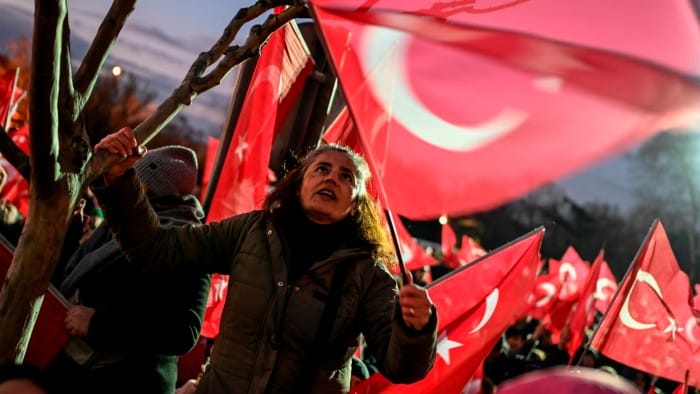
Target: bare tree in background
{"type": "Point", "coordinates": [60, 155]}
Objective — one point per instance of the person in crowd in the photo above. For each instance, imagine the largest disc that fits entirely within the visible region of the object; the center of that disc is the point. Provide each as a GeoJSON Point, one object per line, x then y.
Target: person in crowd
{"type": "Point", "coordinates": [127, 325]}
{"type": "Point", "coordinates": [508, 360]}
{"type": "Point", "coordinates": [554, 353]}
{"type": "Point", "coordinates": [307, 276]}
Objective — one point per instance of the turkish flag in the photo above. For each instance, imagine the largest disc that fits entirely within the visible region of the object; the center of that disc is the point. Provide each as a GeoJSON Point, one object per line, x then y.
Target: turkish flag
{"type": "Point", "coordinates": [544, 295]}
{"type": "Point", "coordinates": [243, 181]}
{"type": "Point", "coordinates": [475, 102]}
{"type": "Point", "coordinates": [584, 311]}
{"type": "Point", "coordinates": [573, 274]}
{"type": "Point", "coordinates": [606, 287]}
{"type": "Point", "coordinates": [283, 65]}
{"type": "Point", "coordinates": [651, 323]}
{"type": "Point", "coordinates": [473, 315]}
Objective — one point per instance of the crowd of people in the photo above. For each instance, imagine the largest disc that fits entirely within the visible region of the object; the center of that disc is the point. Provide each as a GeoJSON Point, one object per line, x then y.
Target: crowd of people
{"type": "Point", "coordinates": [309, 284]}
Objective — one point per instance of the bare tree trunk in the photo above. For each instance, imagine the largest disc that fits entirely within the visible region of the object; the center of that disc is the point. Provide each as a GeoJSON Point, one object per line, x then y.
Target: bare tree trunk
{"type": "Point", "coordinates": [60, 164]}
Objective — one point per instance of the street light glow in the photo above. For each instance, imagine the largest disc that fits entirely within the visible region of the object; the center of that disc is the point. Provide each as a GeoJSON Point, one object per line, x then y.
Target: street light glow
{"type": "Point", "coordinates": [116, 71]}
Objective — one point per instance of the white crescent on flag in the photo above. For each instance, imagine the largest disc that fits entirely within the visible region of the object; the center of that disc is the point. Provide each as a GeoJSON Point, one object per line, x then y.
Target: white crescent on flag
{"type": "Point", "coordinates": [625, 316]}
{"type": "Point", "coordinates": [384, 63]}
{"type": "Point", "coordinates": [491, 304]}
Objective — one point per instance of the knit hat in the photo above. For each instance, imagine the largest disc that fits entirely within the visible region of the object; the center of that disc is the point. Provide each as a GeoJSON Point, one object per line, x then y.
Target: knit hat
{"type": "Point", "coordinates": [168, 170]}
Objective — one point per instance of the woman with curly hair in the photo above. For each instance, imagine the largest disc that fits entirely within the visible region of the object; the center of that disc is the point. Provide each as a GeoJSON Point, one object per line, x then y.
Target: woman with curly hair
{"type": "Point", "coordinates": [307, 276]}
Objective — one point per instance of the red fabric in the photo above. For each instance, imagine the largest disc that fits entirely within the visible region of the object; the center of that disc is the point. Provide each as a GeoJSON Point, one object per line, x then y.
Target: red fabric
{"type": "Point", "coordinates": [572, 273]}
{"type": "Point", "coordinates": [470, 250]}
{"type": "Point", "coordinates": [476, 103]}
{"type": "Point", "coordinates": [606, 286]}
{"type": "Point", "coordinates": [448, 240]}
{"type": "Point", "coordinates": [544, 295]}
{"type": "Point", "coordinates": [215, 305]}
{"type": "Point", "coordinates": [49, 335]}
{"type": "Point", "coordinates": [189, 365]}
{"type": "Point", "coordinates": [651, 324]}
{"type": "Point", "coordinates": [414, 256]}
{"type": "Point", "coordinates": [16, 188]}
{"type": "Point", "coordinates": [283, 64]}
{"type": "Point", "coordinates": [584, 311]}
{"type": "Point", "coordinates": [475, 382]}
{"type": "Point", "coordinates": [681, 389]}
{"type": "Point", "coordinates": [343, 131]}
{"type": "Point", "coordinates": [7, 86]}
{"type": "Point", "coordinates": [473, 315]}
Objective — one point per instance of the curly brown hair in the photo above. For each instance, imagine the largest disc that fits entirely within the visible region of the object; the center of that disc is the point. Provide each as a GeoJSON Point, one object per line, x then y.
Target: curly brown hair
{"type": "Point", "coordinates": [367, 220]}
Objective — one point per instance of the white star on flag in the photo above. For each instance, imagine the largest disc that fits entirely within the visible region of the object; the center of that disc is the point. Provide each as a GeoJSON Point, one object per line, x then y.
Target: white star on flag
{"type": "Point", "coordinates": [219, 290]}
{"type": "Point", "coordinates": [673, 328]}
{"type": "Point", "coordinates": [241, 148]}
{"type": "Point", "coordinates": [444, 345]}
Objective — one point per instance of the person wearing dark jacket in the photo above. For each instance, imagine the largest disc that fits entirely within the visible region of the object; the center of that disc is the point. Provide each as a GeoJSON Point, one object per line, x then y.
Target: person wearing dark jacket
{"type": "Point", "coordinates": [129, 325]}
{"type": "Point", "coordinates": [307, 273]}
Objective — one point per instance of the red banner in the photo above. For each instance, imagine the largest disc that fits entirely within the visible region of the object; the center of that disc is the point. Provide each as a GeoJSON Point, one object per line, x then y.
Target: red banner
{"type": "Point", "coordinates": [478, 105]}
{"type": "Point", "coordinates": [49, 335]}
{"type": "Point", "coordinates": [282, 67]}
{"type": "Point", "coordinates": [473, 315]}
{"type": "Point", "coordinates": [651, 324]}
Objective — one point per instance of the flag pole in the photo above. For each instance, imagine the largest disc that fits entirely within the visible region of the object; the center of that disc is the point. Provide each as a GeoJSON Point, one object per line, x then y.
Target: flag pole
{"type": "Point", "coordinates": [370, 161]}
{"type": "Point", "coordinates": [634, 264]}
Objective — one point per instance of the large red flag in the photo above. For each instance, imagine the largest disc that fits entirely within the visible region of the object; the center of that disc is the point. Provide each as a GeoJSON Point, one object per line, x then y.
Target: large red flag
{"type": "Point", "coordinates": [283, 65]}
{"type": "Point", "coordinates": [473, 315]}
{"type": "Point", "coordinates": [584, 311]}
{"type": "Point", "coordinates": [651, 324]}
{"type": "Point", "coordinates": [477, 103]}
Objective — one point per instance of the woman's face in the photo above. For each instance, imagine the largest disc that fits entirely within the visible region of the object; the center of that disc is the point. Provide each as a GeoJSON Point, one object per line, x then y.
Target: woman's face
{"type": "Point", "coordinates": [329, 187]}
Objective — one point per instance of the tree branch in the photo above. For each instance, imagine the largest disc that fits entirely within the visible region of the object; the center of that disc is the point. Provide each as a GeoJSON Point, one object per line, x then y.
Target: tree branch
{"type": "Point", "coordinates": [67, 104]}
{"type": "Point", "coordinates": [12, 153]}
{"type": "Point", "coordinates": [89, 69]}
{"type": "Point", "coordinates": [193, 85]}
{"type": "Point", "coordinates": [243, 16]}
{"type": "Point", "coordinates": [43, 104]}
{"type": "Point", "coordinates": [235, 55]}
